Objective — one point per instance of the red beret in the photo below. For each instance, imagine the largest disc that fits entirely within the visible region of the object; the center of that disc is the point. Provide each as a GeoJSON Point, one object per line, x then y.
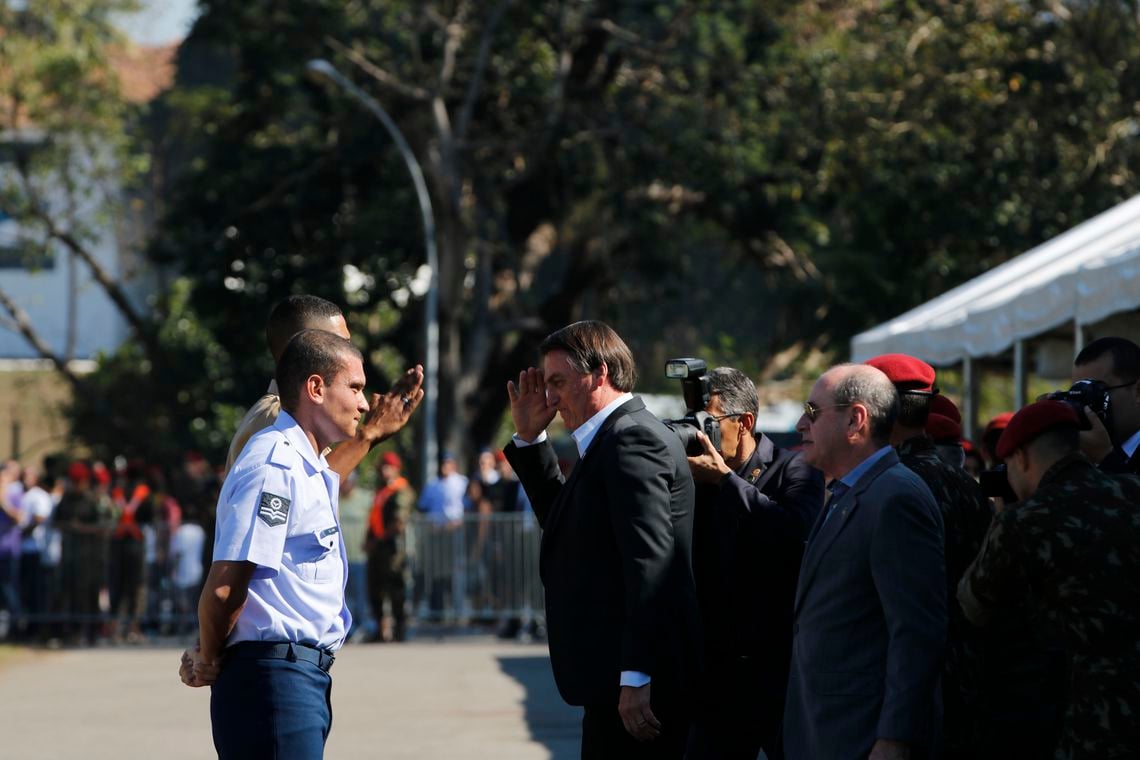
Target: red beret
{"type": "Point", "coordinates": [942, 428]}
{"type": "Point", "coordinates": [1032, 421]}
{"type": "Point", "coordinates": [944, 406]}
{"type": "Point", "coordinates": [392, 459]}
{"type": "Point", "coordinates": [101, 473]}
{"type": "Point", "coordinates": [1001, 422]}
{"type": "Point", "coordinates": [79, 472]}
{"type": "Point", "coordinates": [968, 446]}
{"type": "Point", "coordinates": [906, 372]}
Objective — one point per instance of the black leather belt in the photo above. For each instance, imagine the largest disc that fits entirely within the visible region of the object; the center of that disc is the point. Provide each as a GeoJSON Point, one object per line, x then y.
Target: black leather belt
{"type": "Point", "coordinates": [283, 650]}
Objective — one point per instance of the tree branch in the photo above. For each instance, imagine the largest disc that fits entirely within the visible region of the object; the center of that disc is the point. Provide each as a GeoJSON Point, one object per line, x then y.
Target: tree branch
{"type": "Point", "coordinates": [98, 272]}
{"type": "Point", "coordinates": [24, 326]}
{"type": "Point", "coordinates": [455, 31]}
{"type": "Point", "coordinates": [480, 66]}
{"type": "Point", "coordinates": [377, 73]}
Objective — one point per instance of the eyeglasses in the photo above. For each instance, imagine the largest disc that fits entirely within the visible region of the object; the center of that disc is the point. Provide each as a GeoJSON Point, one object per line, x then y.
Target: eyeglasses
{"type": "Point", "coordinates": [726, 416]}
{"type": "Point", "coordinates": [811, 411]}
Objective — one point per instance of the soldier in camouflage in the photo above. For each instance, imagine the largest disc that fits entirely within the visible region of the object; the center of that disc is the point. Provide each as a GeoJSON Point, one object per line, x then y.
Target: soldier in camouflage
{"type": "Point", "coordinates": [965, 517]}
{"type": "Point", "coordinates": [1070, 550]}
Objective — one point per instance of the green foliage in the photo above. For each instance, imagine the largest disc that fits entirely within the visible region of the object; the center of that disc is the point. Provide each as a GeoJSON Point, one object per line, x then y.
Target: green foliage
{"type": "Point", "coordinates": [62, 117]}
{"type": "Point", "coordinates": [731, 179]}
{"type": "Point", "coordinates": [135, 407]}
{"type": "Point", "coordinates": [936, 140]}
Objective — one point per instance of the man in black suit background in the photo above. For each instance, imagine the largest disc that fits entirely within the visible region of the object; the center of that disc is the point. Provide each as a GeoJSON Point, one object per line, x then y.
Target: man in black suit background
{"type": "Point", "coordinates": [616, 556]}
{"type": "Point", "coordinates": [756, 503]}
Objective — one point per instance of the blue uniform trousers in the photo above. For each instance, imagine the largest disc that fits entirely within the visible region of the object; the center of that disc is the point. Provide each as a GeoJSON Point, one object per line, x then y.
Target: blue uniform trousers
{"type": "Point", "coordinates": [271, 709]}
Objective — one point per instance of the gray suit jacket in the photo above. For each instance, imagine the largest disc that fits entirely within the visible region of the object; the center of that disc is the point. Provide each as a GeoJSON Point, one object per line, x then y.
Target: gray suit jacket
{"type": "Point", "coordinates": [869, 625]}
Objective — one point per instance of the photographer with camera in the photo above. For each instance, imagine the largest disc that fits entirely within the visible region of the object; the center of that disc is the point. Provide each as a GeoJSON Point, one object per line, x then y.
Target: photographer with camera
{"type": "Point", "coordinates": [1113, 398]}
{"type": "Point", "coordinates": [754, 507]}
{"type": "Point", "coordinates": [1067, 558]}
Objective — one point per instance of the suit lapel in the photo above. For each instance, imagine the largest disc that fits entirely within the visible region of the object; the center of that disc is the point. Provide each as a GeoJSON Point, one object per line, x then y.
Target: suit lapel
{"type": "Point", "coordinates": [583, 464]}
{"type": "Point", "coordinates": [826, 530]}
{"type": "Point", "coordinates": [763, 459]}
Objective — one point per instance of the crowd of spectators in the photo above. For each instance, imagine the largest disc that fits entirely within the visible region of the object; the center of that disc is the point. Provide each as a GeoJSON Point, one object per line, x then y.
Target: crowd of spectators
{"type": "Point", "coordinates": [92, 551]}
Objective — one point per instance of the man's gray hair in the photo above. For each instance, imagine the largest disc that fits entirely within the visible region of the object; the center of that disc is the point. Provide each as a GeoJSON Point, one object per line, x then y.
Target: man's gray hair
{"type": "Point", "coordinates": [874, 390]}
{"type": "Point", "coordinates": [737, 392]}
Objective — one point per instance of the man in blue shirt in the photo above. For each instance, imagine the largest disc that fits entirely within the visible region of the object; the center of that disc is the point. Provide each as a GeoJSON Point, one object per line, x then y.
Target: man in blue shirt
{"type": "Point", "coordinates": [272, 612]}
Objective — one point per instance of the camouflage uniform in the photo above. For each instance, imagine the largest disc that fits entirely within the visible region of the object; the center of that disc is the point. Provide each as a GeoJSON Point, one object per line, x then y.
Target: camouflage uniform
{"type": "Point", "coordinates": [965, 516]}
{"type": "Point", "coordinates": [1072, 553]}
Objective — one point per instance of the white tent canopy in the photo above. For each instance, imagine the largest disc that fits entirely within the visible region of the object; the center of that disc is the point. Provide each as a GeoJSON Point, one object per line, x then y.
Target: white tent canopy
{"type": "Point", "coordinates": [1082, 276]}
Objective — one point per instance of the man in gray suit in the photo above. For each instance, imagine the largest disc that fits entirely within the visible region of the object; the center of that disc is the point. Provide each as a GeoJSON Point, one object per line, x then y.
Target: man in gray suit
{"type": "Point", "coordinates": [869, 625]}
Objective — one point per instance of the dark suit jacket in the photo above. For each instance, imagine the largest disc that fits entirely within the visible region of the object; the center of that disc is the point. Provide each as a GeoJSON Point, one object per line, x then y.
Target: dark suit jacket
{"type": "Point", "coordinates": [616, 557]}
{"type": "Point", "coordinates": [1119, 463]}
{"type": "Point", "coordinates": [870, 621]}
{"type": "Point", "coordinates": [748, 544]}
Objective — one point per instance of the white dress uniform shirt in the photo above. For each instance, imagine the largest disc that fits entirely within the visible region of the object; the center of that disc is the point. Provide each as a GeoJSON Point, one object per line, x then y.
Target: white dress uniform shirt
{"type": "Point", "coordinates": [278, 510]}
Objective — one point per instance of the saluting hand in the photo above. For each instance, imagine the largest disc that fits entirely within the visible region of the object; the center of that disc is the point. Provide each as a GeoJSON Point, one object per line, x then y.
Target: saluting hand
{"type": "Point", "coordinates": [389, 412]}
{"type": "Point", "coordinates": [529, 409]}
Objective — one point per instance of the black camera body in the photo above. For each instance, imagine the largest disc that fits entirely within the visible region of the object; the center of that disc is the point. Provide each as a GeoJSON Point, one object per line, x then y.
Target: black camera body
{"type": "Point", "coordinates": [995, 484]}
{"type": "Point", "coordinates": [696, 389]}
{"type": "Point", "coordinates": [1087, 392]}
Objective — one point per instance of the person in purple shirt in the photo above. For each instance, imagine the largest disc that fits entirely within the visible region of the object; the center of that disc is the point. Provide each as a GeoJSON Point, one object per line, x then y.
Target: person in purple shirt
{"type": "Point", "coordinates": [10, 520]}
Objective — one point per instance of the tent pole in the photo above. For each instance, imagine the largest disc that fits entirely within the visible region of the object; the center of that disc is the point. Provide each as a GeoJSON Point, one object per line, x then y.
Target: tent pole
{"type": "Point", "coordinates": [969, 398]}
{"type": "Point", "coordinates": [1018, 374]}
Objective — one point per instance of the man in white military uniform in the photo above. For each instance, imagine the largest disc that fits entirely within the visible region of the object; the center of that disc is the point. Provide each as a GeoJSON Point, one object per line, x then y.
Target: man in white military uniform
{"type": "Point", "coordinates": [272, 612]}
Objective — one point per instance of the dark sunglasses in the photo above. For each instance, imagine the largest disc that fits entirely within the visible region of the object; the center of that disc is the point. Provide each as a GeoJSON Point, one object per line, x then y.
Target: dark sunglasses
{"type": "Point", "coordinates": [811, 411]}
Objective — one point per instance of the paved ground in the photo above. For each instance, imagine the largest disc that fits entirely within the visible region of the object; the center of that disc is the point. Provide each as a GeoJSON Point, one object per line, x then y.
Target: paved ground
{"type": "Point", "coordinates": [465, 698]}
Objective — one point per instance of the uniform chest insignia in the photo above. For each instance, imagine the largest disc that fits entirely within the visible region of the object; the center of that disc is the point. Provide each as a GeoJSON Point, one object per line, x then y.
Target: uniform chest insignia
{"type": "Point", "coordinates": [273, 509]}
{"type": "Point", "coordinates": [755, 474]}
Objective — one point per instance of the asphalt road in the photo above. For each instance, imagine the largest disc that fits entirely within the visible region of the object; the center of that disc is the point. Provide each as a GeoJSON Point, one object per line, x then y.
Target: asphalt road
{"type": "Point", "coordinates": [464, 698]}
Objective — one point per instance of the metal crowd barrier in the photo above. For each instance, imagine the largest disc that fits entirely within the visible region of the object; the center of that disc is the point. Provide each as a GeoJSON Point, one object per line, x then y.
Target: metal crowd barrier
{"type": "Point", "coordinates": [482, 569]}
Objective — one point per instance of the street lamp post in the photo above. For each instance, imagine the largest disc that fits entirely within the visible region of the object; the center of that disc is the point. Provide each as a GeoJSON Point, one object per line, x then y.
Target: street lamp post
{"type": "Point", "coordinates": [325, 71]}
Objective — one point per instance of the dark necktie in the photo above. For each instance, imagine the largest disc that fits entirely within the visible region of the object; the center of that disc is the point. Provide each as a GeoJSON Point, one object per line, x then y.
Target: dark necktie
{"type": "Point", "coordinates": [835, 491]}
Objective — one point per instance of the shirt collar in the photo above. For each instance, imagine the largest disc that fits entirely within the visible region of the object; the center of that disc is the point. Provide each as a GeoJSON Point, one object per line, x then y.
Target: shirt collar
{"type": "Point", "coordinates": [1131, 444]}
{"type": "Point", "coordinates": [852, 478]}
{"type": "Point", "coordinates": [585, 433]}
{"type": "Point", "coordinates": [293, 433]}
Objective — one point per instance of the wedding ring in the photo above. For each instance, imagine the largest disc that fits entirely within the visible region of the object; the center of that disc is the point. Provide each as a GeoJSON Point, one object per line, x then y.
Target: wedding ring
{"type": "Point", "coordinates": [406, 400]}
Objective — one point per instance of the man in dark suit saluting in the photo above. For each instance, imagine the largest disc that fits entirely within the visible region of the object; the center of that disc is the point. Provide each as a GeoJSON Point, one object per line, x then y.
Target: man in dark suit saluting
{"type": "Point", "coordinates": [616, 557]}
{"type": "Point", "coordinates": [869, 625]}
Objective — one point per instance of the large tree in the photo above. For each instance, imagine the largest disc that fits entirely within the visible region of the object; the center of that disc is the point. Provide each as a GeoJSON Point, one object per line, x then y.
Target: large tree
{"type": "Point", "coordinates": [737, 178]}
{"type": "Point", "coordinates": [565, 144]}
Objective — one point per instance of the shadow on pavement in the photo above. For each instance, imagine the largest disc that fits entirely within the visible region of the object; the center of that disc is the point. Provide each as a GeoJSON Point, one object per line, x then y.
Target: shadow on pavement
{"type": "Point", "coordinates": [552, 722]}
